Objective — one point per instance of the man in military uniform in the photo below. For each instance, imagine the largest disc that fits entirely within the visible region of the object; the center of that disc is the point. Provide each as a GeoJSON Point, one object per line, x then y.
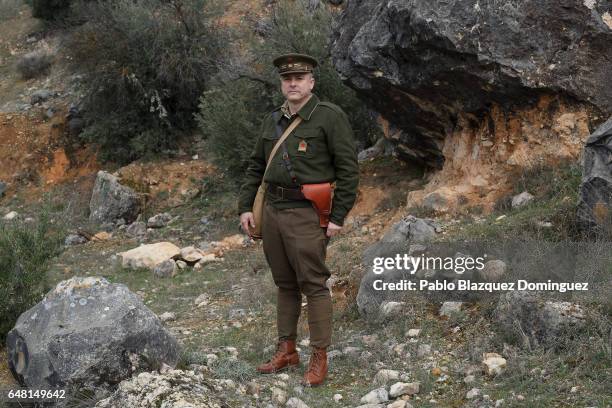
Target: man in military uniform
{"type": "Point", "coordinates": [320, 149]}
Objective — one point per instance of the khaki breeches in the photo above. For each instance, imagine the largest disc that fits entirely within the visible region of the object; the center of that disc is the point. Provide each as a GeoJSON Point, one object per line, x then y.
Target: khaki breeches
{"type": "Point", "coordinates": [295, 247]}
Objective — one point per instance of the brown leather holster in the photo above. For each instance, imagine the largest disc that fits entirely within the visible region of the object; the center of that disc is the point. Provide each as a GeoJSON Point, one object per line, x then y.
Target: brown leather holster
{"type": "Point", "coordinates": [320, 195]}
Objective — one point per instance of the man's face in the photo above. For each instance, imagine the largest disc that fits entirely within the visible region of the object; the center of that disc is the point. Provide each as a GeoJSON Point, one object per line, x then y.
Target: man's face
{"type": "Point", "coordinates": [297, 87]}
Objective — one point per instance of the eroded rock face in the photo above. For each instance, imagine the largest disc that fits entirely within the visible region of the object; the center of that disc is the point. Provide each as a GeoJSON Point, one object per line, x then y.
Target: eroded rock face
{"type": "Point", "coordinates": [534, 322]}
{"type": "Point", "coordinates": [111, 201]}
{"type": "Point", "coordinates": [478, 89]}
{"type": "Point", "coordinates": [172, 389]}
{"type": "Point", "coordinates": [87, 332]}
{"type": "Point", "coordinates": [595, 201]}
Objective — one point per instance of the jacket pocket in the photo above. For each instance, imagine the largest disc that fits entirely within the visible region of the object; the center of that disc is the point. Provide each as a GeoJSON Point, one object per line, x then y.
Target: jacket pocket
{"type": "Point", "coordinates": [306, 143]}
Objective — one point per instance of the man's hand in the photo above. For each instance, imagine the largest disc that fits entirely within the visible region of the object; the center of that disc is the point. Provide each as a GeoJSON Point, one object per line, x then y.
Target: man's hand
{"type": "Point", "coordinates": [246, 219]}
{"type": "Point", "coordinates": [332, 229]}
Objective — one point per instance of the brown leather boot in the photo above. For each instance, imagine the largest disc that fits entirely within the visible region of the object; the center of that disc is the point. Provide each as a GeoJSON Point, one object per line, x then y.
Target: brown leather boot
{"type": "Point", "coordinates": [285, 356]}
{"type": "Point", "coordinates": [317, 367]}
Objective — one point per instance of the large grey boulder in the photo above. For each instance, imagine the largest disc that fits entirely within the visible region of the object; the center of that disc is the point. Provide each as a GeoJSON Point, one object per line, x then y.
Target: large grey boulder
{"type": "Point", "coordinates": [409, 229]}
{"type": "Point", "coordinates": [531, 321]}
{"type": "Point", "coordinates": [595, 201]}
{"type": "Point", "coordinates": [404, 237]}
{"type": "Point", "coordinates": [90, 333]}
{"type": "Point", "coordinates": [170, 389]}
{"type": "Point", "coordinates": [111, 201]}
{"type": "Point", "coordinates": [422, 63]}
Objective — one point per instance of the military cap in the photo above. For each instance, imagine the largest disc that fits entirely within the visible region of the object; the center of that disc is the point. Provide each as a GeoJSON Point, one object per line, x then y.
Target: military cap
{"type": "Point", "coordinates": [294, 63]}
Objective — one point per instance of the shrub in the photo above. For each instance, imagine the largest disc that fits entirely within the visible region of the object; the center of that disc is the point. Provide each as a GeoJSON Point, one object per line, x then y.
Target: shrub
{"type": "Point", "coordinates": [249, 87]}
{"type": "Point", "coordinates": [34, 64]}
{"type": "Point", "coordinates": [230, 117]}
{"type": "Point", "coordinates": [50, 9]}
{"type": "Point", "coordinates": [25, 252]}
{"type": "Point", "coordinates": [146, 62]}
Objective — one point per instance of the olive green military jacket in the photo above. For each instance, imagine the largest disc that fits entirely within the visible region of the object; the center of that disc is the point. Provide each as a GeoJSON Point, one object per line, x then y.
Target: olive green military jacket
{"type": "Point", "coordinates": [321, 148]}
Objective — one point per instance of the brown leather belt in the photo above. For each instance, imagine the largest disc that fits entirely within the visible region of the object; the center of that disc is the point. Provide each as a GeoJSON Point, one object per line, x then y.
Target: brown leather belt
{"type": "Point", "coordinates": [285, 193]}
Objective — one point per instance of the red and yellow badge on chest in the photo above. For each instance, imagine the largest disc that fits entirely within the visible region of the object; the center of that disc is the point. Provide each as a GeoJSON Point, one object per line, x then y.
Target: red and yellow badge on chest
{"type": "Point", "coordinates": [302, 146]}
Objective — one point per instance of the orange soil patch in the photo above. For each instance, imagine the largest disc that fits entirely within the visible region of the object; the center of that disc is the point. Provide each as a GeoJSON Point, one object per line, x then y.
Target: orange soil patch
{"type": "Point", "coordinates": [32, 155]}
{"type": "Point", "coordinates": [168, 182]}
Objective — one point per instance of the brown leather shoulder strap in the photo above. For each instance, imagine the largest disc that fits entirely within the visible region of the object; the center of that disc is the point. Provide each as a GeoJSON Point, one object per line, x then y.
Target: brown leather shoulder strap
{"type": "Point", "coordinates": [284, 136]}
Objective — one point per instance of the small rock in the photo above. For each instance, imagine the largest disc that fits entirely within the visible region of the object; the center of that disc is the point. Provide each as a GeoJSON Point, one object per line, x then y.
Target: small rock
{"type": "Point", "coordinates": [74, 239]}
{"type": "Point", "coordinates": [384, 376]}
{"type": "Point", "coordinates": [376, 396]}
{"type": "Point", "coordinates": [296, 403]}
{"type": "Point", "coordinates": [522, 199]}
{"type": "Point", "coordinates": [469, 379]}
{"type": "Point", "coordinates": [493, 363]}
{"type": "Point", "coordinates": [149, 255]}
{"type": "Point", "coordinates": [399, 404]}
{"type": "Point", "coordinates": [493, 270]}
{"type": "Point", "coordinates": [211, 359]}
{"type": "Point", "coordinates": [400, 388]}
{"type": "Point", "coordinates": [181, 264]}
{"type": "Point", "coordinates": [159, 220]}
{"type": "Point", "coordinates": [167, 317]}
{"type": "Point", "coordinates": [279, 396]}
{"type": "Point", "coordinates": [40, 95]}
{"type": "Point", "coordinates": [165, 269]}
{"type": "Point", "coordinates": [351, 351]}
{"type": "Point", "coordinates": [202, 300]}
{"type": "Point", "coordinates": [208, 258]}
{"type": "Point", "coordinates": [136, 229]}
{"type": "Point", "coordinates": [473, 393]}
{"type": "Point", "coordinates": [253, 388]}
{"type": "Point", "coordinates": [191, 254]}
{"type": "Point", "coordinates": [391, 309]}
{"type": "Point", "coordinates": [413, 332]}
{"type": "Point", "coordinates": [337, 397]}
{"type": "Point", "coordinates": [423, 350]}
{"type": "Point", "coordinates": [448, 308]}
{"type": "Point", "coordinates": [102, 236]}
{"type": "Point", "coordinates": [11, 215]}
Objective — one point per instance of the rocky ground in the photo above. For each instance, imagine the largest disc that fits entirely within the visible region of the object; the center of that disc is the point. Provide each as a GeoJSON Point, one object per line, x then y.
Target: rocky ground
{"type": "Point", "coordinates": [223, 315]}
{"type": "Point", "coordinates": [223, 312]}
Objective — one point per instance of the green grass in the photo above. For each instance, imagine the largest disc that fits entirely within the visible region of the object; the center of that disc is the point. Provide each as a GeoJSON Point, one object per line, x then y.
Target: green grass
{"type": "Point", "coordinates": [556, 195]}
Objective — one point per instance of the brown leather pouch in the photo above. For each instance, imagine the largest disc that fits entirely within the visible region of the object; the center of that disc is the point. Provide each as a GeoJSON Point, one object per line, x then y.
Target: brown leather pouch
{"type": "Point", "coordinates": [320, 195]}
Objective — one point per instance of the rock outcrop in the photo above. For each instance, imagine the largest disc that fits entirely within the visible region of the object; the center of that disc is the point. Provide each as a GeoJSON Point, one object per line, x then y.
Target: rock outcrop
{"type": "Point", "coordinates": [89, 333]}
{"type": "Point", "coordinates": [595, 201]}
{"type": "Point", "coordinates": [479, 90]}
{"type": "Point", "coordinates": [111, 201]}
{"type": "Point", "coordinates": [534, 322]}
{"type": "Point", "coordinates": [149, 255]}
{"type": "Point", "coordinates": [171, 389]}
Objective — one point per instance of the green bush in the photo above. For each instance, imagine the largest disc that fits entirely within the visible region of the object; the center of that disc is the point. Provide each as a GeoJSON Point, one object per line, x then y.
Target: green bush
{"type": "Point", "coordinates": [230, 114]}
{"type": "Point", "coordinates": [146, 63]}
{"type": "Point", "coordinates": [50, 9]}
{"type": "Point", "coordinates": [230, 117]}
{"type": "Point", "coordinates": [25, 252]}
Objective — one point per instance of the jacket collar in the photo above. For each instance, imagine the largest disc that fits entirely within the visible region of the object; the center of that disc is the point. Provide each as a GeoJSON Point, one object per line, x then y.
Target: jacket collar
{"type": "Point", "coordinates": [305, 111]}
